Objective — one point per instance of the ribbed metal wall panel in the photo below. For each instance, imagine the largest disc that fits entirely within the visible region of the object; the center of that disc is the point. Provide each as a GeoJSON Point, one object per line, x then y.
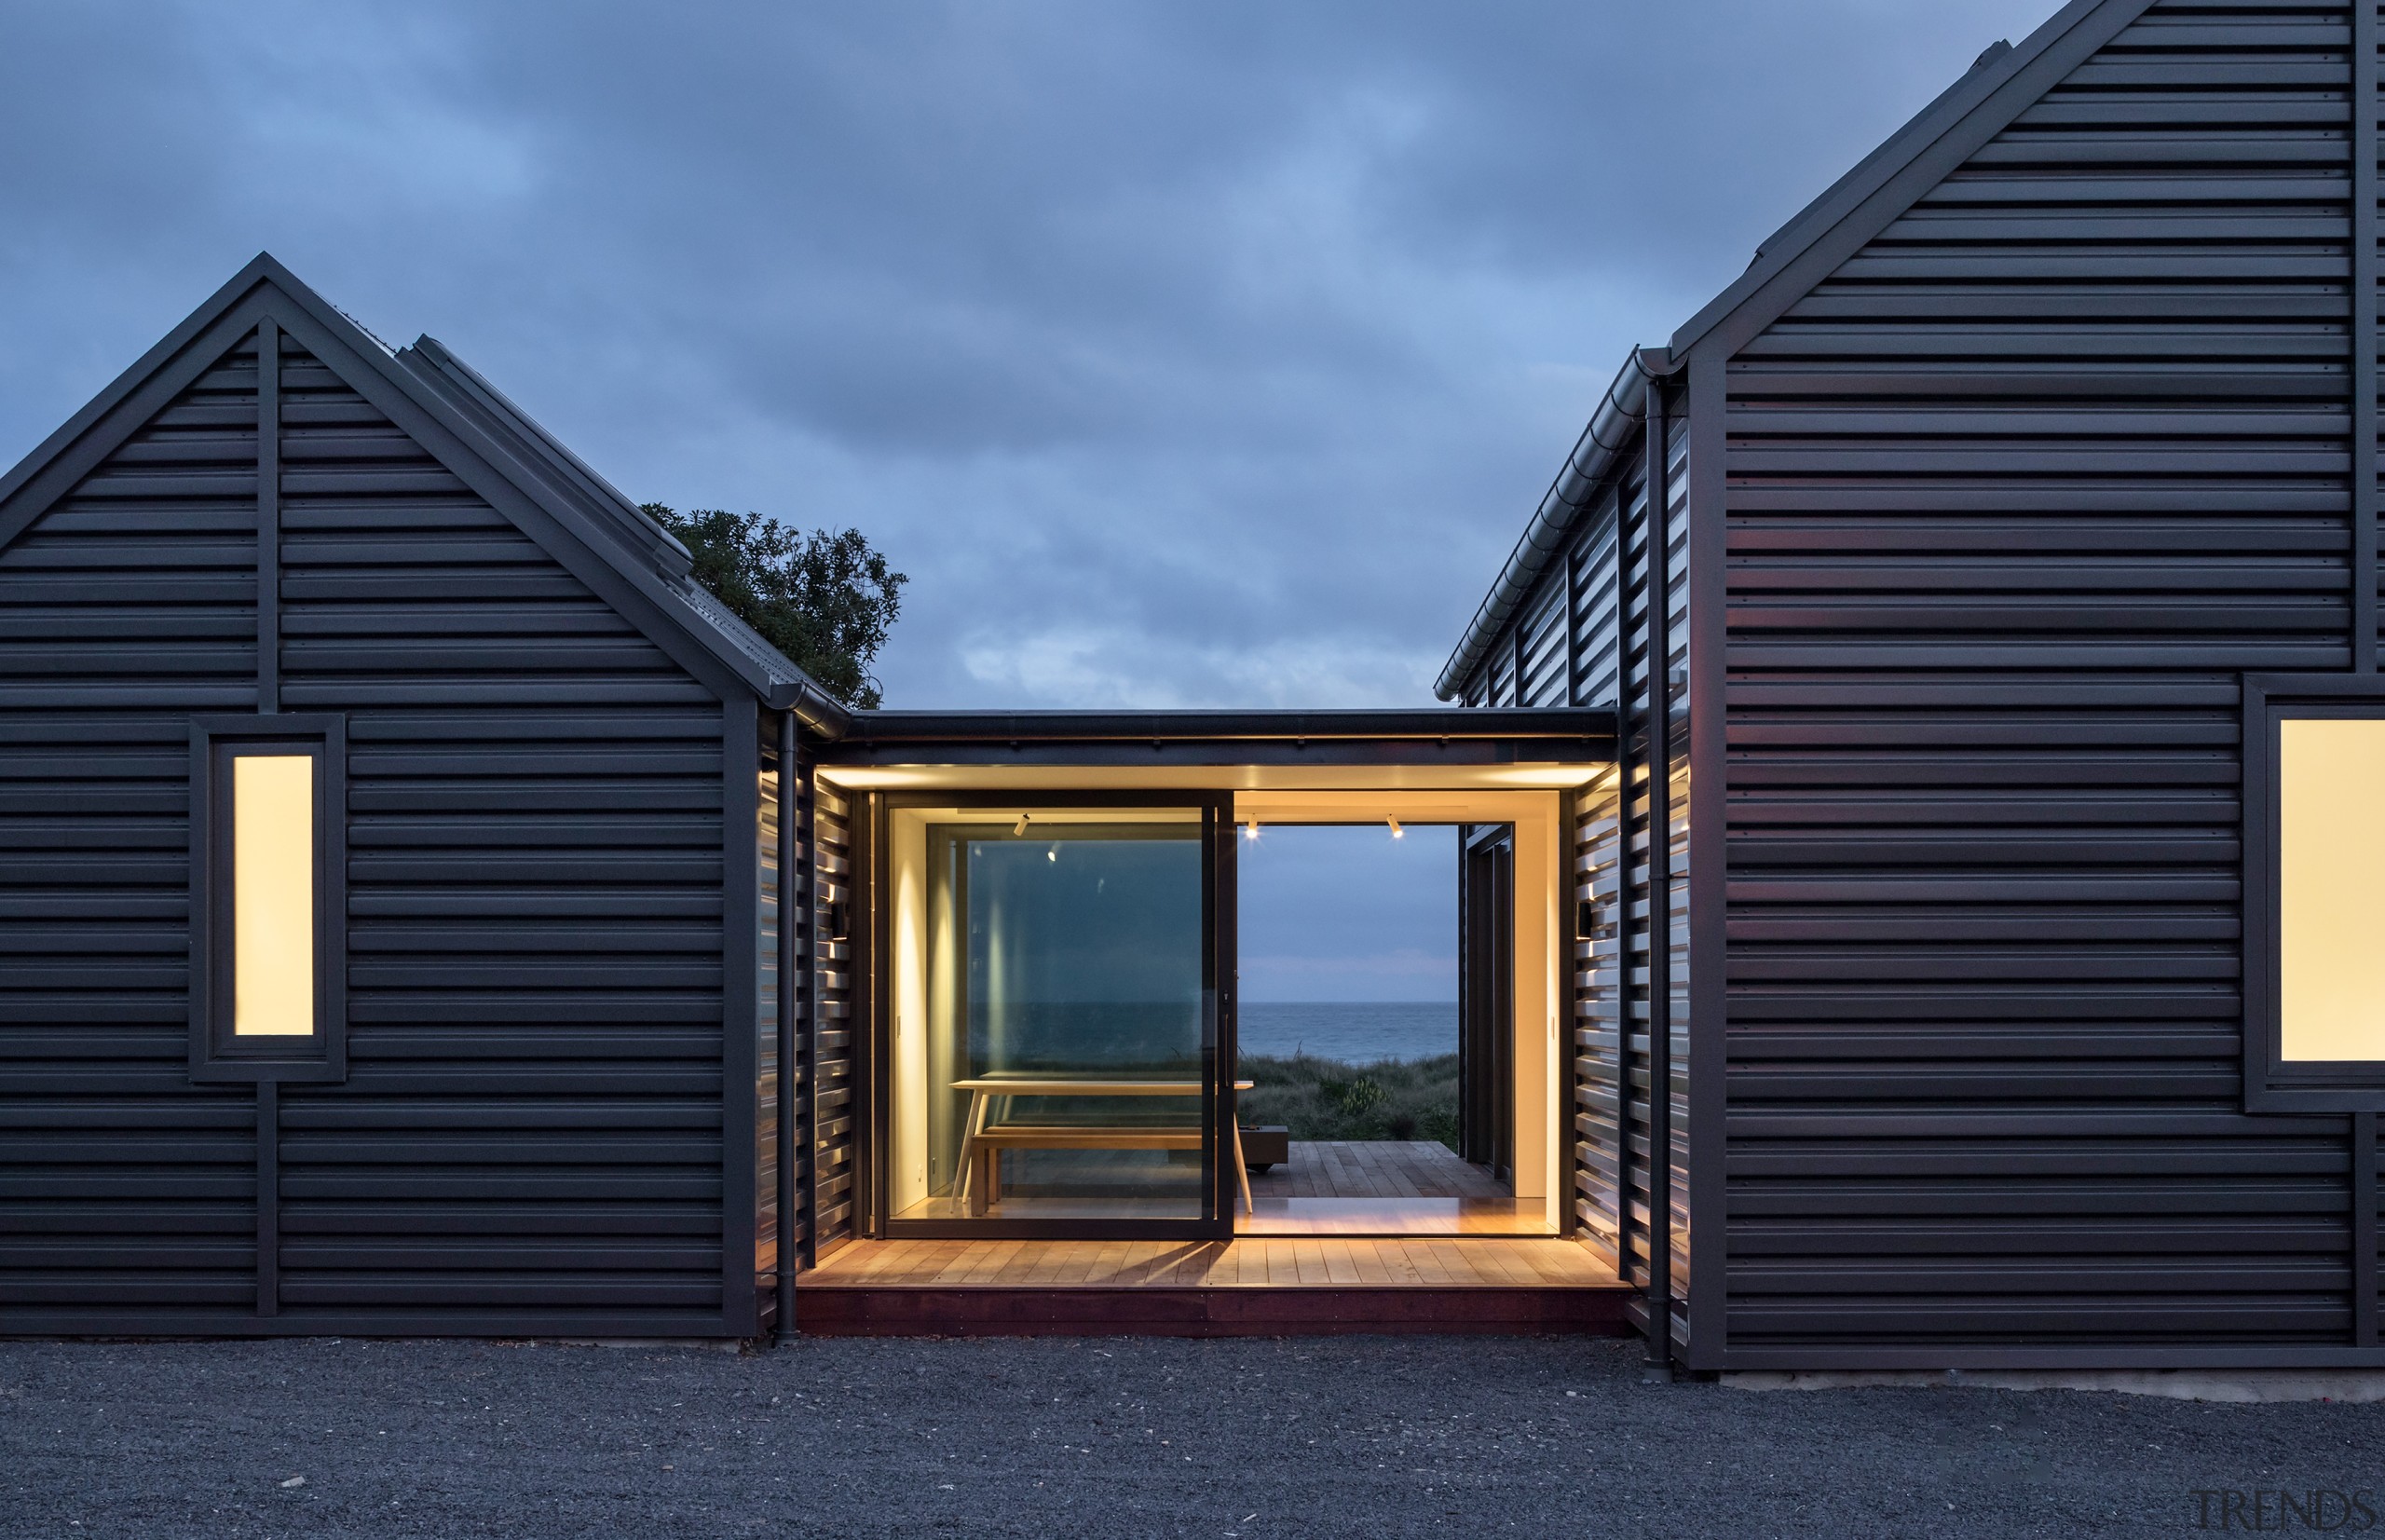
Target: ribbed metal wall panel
{"type": "Point", "coordinates": [771, 1087]}
{"type": "Point", "coordinates": [2014, 497]}
{"type": "Point", "coordinates": [534, 1111]}
{"type": "Point", "coordinates": [1588, 629]}
{"type": "Point", "coordinates": [1673, 901]}
{"type": "Point", "coordinates": [1542, 650]}
{"type": "Point", "coordinates": [835, 1132]}
{"type": "Point", "coordinates": [128, 605]}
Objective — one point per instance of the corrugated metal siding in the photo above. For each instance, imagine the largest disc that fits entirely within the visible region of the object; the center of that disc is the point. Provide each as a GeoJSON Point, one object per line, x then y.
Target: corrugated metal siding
{"type": "Point", "coordinates": [126, 607]}
{"type": "Point", "coordinates": [836, 1153]}
{"type": "Point", "coordinates": [2014, 496]}
{"type": "Point", "coordinates": [1604, 648]}
{"type": "Point", "coordinates": [533, 1116]}
{"type": "Point", "coordinates": [1673, 902]}
{"type": "Point", "coordinates": [770, 978]}
{"type": "Point", "coordinates": [1542, 679]}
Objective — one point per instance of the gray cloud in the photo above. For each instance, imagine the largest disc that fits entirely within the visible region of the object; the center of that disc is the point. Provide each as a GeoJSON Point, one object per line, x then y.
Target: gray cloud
{"type": "Point", "coordinates": [1182, 353]}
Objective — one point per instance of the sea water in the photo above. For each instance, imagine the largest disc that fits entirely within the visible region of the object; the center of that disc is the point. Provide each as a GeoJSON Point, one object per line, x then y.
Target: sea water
{"type": "Point", "coordinates": [1355, 1034]}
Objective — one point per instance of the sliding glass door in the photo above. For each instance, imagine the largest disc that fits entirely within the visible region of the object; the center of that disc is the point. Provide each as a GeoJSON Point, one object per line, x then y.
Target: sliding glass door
{"type": "Point", "coordinates": [1051, 1041]}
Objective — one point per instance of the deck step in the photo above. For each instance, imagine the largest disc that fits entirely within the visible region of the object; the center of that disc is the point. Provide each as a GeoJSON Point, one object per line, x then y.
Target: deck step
{"type": "Point", "coordinates": [837, 1310]}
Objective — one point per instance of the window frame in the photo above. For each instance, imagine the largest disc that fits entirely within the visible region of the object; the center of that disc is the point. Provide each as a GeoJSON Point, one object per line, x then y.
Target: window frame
{"type": "Point", "coordinates": [216, 1054]}
{"type": "Point", "coordinates": [2273, 1084]}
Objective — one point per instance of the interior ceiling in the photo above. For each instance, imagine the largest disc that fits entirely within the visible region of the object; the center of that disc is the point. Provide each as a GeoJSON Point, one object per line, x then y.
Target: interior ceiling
{"type": "Point", "coordinates": [1234, 778]}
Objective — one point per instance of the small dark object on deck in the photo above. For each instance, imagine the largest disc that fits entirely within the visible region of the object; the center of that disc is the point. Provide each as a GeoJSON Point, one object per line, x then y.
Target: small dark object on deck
{"type": "Point", "coordinates": [1263, 1148]}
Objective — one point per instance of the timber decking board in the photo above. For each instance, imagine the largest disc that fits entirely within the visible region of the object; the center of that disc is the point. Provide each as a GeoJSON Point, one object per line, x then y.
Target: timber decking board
{"type": "Point", "coordinates": [1374, 1169]}
{"type": "Point", "coordinates": [1318, 1261]}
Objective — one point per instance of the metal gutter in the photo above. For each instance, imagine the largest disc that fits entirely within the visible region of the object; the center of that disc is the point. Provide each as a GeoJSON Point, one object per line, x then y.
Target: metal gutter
{"type": "Point", "coordinates": [815, 708]}
{"type": "Point", "coordinates": [1611, 430]}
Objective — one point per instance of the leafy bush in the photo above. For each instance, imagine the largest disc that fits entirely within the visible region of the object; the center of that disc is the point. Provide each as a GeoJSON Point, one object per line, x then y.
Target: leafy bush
{"type": "Point", "coordinates": [1322, 1099]}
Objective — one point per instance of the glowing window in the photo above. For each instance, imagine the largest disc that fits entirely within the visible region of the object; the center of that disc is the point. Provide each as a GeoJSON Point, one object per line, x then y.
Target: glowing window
{"type": "Point", "coordinates": [2331, 847]}
{"type": "Point", "coordinates": [273, 896]}
{"type": "Point", "coordinates": [269, 898]}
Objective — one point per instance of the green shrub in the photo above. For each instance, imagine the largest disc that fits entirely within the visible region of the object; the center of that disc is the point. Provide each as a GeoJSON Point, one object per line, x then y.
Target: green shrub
{"type": "Point", "coordinates": [1322, 1099]}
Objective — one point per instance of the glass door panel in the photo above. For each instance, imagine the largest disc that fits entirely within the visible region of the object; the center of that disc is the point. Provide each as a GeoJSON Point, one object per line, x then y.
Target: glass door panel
{"type": "Point", "coordinates": [1053, 1039]}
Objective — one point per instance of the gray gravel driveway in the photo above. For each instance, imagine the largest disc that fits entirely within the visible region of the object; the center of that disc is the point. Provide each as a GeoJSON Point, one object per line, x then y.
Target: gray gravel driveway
{"type": "Point", "coordinates": [1218, 1441]}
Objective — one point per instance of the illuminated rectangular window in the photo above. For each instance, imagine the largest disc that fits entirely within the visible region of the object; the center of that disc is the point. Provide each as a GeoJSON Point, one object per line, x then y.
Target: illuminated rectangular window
{"type": "Point", "coordinates": [2331, 851]}
{"type": "Point", "coordinates": [273, 896]}
{"type": "Point", "coordinates": [269, 898]}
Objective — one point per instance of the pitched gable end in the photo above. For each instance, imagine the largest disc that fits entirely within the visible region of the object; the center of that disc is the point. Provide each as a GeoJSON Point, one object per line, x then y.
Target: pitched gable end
{"type": "Point", "coordinates": [423, 425]}
{"type": "Point", "coordinates": [1904, 170]}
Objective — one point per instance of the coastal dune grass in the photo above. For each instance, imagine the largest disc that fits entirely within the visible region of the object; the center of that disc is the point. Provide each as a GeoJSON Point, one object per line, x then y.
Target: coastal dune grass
{"type": "Point", "coordinates": [1324, 1099]}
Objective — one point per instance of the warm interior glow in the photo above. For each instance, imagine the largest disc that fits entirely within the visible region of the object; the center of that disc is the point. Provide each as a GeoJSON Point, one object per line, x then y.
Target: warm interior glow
{"type": "Point", "coordinates": [273, 896]}
{"type": "Point", "coordinates": [2331, 851]}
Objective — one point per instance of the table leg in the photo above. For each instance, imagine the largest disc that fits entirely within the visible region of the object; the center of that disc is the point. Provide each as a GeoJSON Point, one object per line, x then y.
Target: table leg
{"type": "Point", "coordinates": [973, 1184]}
{"type": "Point", "coordinates": [1241, 1168]}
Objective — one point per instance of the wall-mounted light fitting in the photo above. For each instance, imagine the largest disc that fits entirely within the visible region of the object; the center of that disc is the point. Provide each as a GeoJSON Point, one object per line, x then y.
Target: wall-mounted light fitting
{"type": "Point", "coordinates": [1397, 832]}
{"type": "Point", "coordinates": [1020, 828]}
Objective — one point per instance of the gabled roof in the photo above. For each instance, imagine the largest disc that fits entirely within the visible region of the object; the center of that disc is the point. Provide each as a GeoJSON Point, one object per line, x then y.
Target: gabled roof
{"type": "Point", "coordinates": [494, 447]}
{"type": "Point", "coordinates": [2004, 83]}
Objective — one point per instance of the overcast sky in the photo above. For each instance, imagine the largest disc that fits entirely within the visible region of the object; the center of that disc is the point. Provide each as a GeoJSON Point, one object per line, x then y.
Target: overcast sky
{"type": "Point", "coordinates": [1201, 353]}
{"type": "Point", "coordinates": [1196, 354]}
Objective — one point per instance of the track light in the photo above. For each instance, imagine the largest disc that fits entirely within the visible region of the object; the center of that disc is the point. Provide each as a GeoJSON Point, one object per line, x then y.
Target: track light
{"type": "Point", "coordinates": [1020, 828]}
{"type": "Point", "coordinates": [1397, 832]}
{"type": "Point", "coordinates": [1251, 831]}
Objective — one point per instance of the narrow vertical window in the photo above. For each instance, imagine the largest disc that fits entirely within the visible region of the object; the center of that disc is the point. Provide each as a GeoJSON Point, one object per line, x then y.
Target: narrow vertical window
{"type": "Point", "coordinates": [269, 898]}
{"type": "Point", "coordinates": [2331, 845]}
{"type": "Point", "coordinates": [273, 896]}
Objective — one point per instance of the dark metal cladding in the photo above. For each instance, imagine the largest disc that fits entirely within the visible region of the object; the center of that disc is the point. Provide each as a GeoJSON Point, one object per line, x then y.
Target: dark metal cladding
{"type": "Point", "coordinates": [2016, 496]}
{"type": "Point", "coordinates": [530, 1136]}
{"type": "Point", "coordinates": [127, 1194]}
{"type": "Point", "coordinates": [535, 1115]}
{"type": "Point", "coordinates": [834, 1079]}
{"type": "Point", "coordinates": [2079, 429]}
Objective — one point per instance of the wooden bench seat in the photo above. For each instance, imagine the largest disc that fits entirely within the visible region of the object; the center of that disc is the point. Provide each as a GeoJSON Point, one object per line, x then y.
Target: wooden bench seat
{"type": "Point", "coordinates": [983, 1139]}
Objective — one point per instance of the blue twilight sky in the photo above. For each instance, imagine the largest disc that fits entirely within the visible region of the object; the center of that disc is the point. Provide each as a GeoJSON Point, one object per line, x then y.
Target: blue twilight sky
{"type": "Point", "coordinates": [1348, 914]}
{"type": "Point", "coordinates": [1205, 352]}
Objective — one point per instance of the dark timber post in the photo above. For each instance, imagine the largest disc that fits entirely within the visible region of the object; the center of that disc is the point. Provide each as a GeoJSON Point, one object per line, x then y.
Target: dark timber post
{"type": "Point", "coordinates": [1660, 891]}
{"type": "Point", "coordinates": [793, 891]}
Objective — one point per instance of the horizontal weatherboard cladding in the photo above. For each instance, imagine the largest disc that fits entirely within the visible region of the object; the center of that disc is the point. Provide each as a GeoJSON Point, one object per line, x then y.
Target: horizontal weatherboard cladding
{"type": "Point", "coordinates": [537, 891]}
{"type": "Point", "coordinates": [531, 1133]}
{"type": "Point", "coordinates": [130, 605]}
{"type": "Point", "coordinates": [2016, 496]}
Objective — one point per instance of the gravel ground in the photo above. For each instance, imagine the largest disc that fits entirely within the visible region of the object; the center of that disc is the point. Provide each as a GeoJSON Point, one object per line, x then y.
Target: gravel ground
{"type": "Point", "coordinates": [1113, 1438]}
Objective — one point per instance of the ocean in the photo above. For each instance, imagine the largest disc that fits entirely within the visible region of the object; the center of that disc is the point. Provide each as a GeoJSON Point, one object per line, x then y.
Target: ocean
{"type": "Point", "coordinates": [1355, 1034]}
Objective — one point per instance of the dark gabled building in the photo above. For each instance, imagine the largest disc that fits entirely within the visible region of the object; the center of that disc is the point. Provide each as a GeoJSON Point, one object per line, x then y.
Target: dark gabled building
{"type": "Point", "coordinates": [391, 848]}
{"type": "Point", "coordinates": [2020, 515]}
{"type": "Point", "coordinates": [542, 1036]}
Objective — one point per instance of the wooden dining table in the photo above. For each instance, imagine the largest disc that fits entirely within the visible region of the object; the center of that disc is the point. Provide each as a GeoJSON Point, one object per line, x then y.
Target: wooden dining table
{"type": "Point", "coordinates": [984, 1141]}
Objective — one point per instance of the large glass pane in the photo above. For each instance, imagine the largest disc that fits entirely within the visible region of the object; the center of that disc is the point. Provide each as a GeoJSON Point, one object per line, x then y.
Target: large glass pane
{"type": "Point", "coordinates": [1050, 1034]}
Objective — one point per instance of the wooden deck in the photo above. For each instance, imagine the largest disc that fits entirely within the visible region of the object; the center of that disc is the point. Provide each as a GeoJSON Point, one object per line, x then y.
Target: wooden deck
{"type": "Point", "coordinates": [1244, 1287]}
{"type": "Point", "coordinates": [1384, 1188]}
{"type": "Point", "coordinates": [1384, 1169]}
